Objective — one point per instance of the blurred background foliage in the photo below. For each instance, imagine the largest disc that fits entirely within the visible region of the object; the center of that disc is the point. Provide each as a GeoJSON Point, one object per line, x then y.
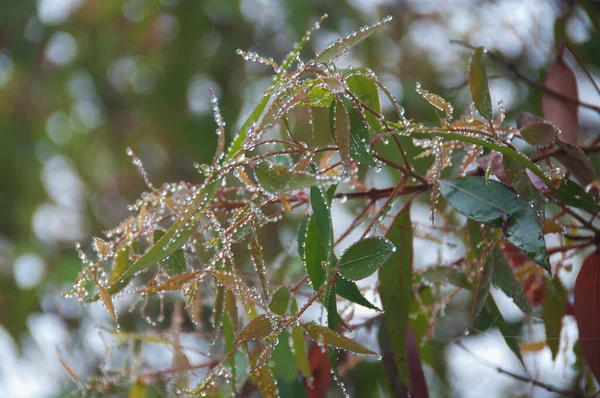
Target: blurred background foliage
{"type": "Point", "coordinates": [82, 80]}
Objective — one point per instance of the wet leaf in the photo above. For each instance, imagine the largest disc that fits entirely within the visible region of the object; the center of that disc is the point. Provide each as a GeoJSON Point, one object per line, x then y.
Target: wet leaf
{"type": "Point", "coordinates": [107, 300]}
{"type": "Point", "coordinates": [539, 134]}
{"type": "Point", "coordinates": [259, 263]}
{"type": "Point", "coordinates": [520, 182]}
{"type": "Point", "coordinates": [365, 88]}
{"type": "Point", "coordinates": [235, 284]}
{"type": "Point", "coordinates": [315, 254]}
{"type": "Point", "coordinates": [175, 263]}
{"type": "Point", "coordinates": [341, 46]}
{"type": "Point", "coordinates": [560, 112]}
{"type": "Point", "coordinates": [571, 194]}
{"type": "Point", "coordinates": [218, 310]}
{"type": "Point", "coordinates": [497, 206]}
{"type": "Point", "coordinates": [280, 301]}
{"type": "Point", "coordinates": [553, 310]}
{"type": "Point", "coordinates": [395, 289]}
{"type": "Point", "coordinates": [120, 264]}
{"type": "Point", "coordinates": [175, 237]}
{"type": "Point", "coordinates": [323, 335]}
{"type": "Point", "coordinates": [300, 353]}
{"type": "Point", "coordinates": [174, 283]}
{"type": "Point", "coordinates": [482, 288]}
{"type": "Point", "coordinates": [302, 237]}
{"type": "Point", "coordinates": [231, 308]}
{"type": "Point", "coordinates": [342, 131]}
{"type": "Point", "coordinates": [72, 375]}
{"type": "Point", "coordinates": [101, 247]}
{"type": "Point", "coordinates": [577, 163]}
{"type": "Point", "coordinates": [478, 84]}
{"type": "Point", "coordinates": [321, 212]}
{"type": "Point", "coordinates": [365, 257]}
{"type": "Point", "coordinates": [229, 336]}
{"type": "Point", "coordinates": [504, 279]}
{"type": "Point", "coordinates": [259, 327]}
{"type": "Point", "coordinates": [587, 311]}
{"type": "Point", "coordinates": [265, 382]}
{"type": "Point", "coordinates": [348, 290]}
{"type": "Point", "coordinates": [277, 179]}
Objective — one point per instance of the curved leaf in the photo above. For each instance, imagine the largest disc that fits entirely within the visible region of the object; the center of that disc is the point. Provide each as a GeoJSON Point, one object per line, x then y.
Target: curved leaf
{"type": "Point", "coordinates": [571, 194]}
{"type": "Point", "coordinates": [497, 206]}
{"type": "Point", "coordinates": [259, 327]}
{"type": "Point", "coordinates": [348, 290]}
{"type": "Point", "coordinates": [539, 134]}
{"type": "Point", "coordinates": [342, 130]}
{"type": "Point", "coordinates": [553, 310]}
{"type": "Point", "coordinates": [365, 257]}
{"type": "Point", "coordinates": [323, 335]}
{"type": "Point", "coordinates": [478, 84]}
{"type": "Point", "coordinates": [280, 300]}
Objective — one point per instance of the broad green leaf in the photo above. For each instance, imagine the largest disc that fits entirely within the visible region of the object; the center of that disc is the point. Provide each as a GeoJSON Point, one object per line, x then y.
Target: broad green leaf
{"type": "Point", "coordinates": [259, 327]}
{"type": "Point", "coordinates": [321, 212]}
{"type": "Point", "coordinates": [282, 362]}
{"type": "Point", "coordinates": [491, 317]}
{"type": "Point", "coordinates": [517, 176]}
{"type": "Point", "coordinates": [539, 134]}
{"type": "Point", "coordinates": [299, 345]}
{"type": "Point", "coordinates": [229, 336]}
{"type": "Point", "coordinates": [342, 131]}
{"type": "Point", "coordinates": [280, 300]}
{"type": "Point", "coordinates": [365, 257]}
{"type": "Point", "coordinates": [478, 83]}
{"type": "Point", "coordinates": [497, 206]}
{"type": "Point", "coordinates": [571, 194]}
{"type": "Point", "coordinates": [553, 310]}
{"type": "Point", "coordinates": [175, 263]}
{"type": "Point", "coordinates": [278, 178]}
{"type": "Point", "coordinates": [176, 236]}
{"type": "Point", "coordinates": [315, 254]}
{"type": "Point", "coordinates": [323, 335]}
{"type": "Point", "coordinates": [395, 289]}
{"type": "Point", "coordinates": [341, 46]}
{"type": "Point", "coordinates": [482, 288]}
{"type": "Point", "coordinates": [348, 290]}
{"type": "Point", "coordinates": [504, 279]}
{"type": "Point", "coordinates": [367, 92]}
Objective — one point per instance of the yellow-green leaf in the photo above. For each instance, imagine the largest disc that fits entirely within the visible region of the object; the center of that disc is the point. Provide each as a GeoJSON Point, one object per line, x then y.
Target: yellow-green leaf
{"type": "Point", "coordinates": [259, 327]}
{"type": "Point", "coordinates": [342, 131]}
{"type": "Point", "coordinates": [323, 335]}
{"type": "Point", "coordinates": [478, 84]}
{"type": "Point", "coordinates": [174, 283]}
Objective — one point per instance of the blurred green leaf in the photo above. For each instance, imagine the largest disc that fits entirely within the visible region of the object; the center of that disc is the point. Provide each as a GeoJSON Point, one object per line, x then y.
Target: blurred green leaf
{"type": "Point", "coordinates": [348, 290]}
{"type": "Point", "coordinates": [342, 131]}
{"type": "Point", "coordinates": [280, 301]}
{"type": "Point", "coordinates": [277, 178]}
{"type": "Point", "coordinates": [323, 335]}
{"type": "Point", "coordinates": [478, 84]}
{"type": "Point", "coordinates": [553, 310]}
{"type": "Point", "coordinates": [539, 134]}
{"type": "Point", "coordinates": [175, 263]}
{"type": "Point", "coordinates": [571, 194]}
{"type": "Point", "coordinates": [299, 345]}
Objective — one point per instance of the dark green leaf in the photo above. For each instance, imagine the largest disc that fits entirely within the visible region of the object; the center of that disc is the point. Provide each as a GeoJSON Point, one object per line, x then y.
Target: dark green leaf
{"type": "Point", "coordinates": [553, 310]}
{"type": "Point", "coordinates": [482, 288]}
{"type": "Point", "coordinates": [367, 92]}
{"type": "Point", "coordinates": [344, 44]}
{"type": "Point", "coordinates": [348, 290]}
{"type": "Point", "coordinates": [504, 279]}
{"type": "Point", "coordinates": [322, 215]}
{"type": "Point", "coordinates": [342, 130]}
{"type": "Point", "coordinates": [175, 263]}
{"type": "Point", "coordinates": [395, 284]}
{"type": "Point", "coordinates": [496, 205]}
{"type": "Point", "coordinates": [280, 300]}
{"type": "Point", "coordinates": [323, 335]}
{"type": "Point", "coordinates": [302, 237]}
{"type": "Point", "coordinates": [299, 344]}
{"type": "Point", "coordinates": [478, 84]}
{"type": "Point", "coordinates": [229, 336]}
{"type": "Point", "coordinates": [518, 178]}
{"type": "Point", "coordinates": [571, 194]}
{"type": "Point", "coordinates": [539, 134]}
{"type": "Point", "coordinates": [365, 257]}
{"type": "Point", "coordinates": [360, 148]}
{"type": "Point", "coordinates": [315, 254]}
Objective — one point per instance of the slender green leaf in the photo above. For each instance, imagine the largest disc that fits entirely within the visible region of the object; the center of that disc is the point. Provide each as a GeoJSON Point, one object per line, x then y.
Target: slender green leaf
{"type": "Point", "coordinates": [504, 279]}
{"type": "Point", "coordinates": [482, 288]}
{"type": "Point", "coordinates": [299, 345]}
{"type": "Point", "coordinates": [365, 257]}
{"type": "Point", "coordinates": [321, 213]}
{"type": "Point", "coordinates": [344, 44]}
{"type": "Point", "coordinates": [175, 263]}
{"type": "Point", "coordinates": [365, 88]}
{"type": "Point", "coordinates": [323, 335]}
{"type": "Point", "coordinates": [302, 236]}
{"type": "Point", "coordinates": [137, 390]}
{"type": "Point", "coordinates": [496, 205]}
{"type": "Point", "coordinates": [259, 327]}
{"type": "Point", "coordinates": [360, 148]}
{"type": "Point", "coordinates": [395, 284]}
{"type": "Point", "coordinates": [315, 254]}
{"type": "Point", "coordinates": [342, 130]}
{"type": "Point", "coordinates": [571, 194]}
{"type": "Point", "coordinates": [553, 310]}
{"type": "Point", "coordinates": [478, 84]}
{"type": "Point", "coordinates": [229, 336]}
{"type": "Point", "coordinates": [348, 290]}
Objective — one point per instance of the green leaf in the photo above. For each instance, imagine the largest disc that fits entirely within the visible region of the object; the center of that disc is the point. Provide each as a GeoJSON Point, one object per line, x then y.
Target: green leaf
{"type": "Point", "coordinates": [365, 257]}
{"type": "Point", "coordinates": [360, 148]}
{"type": "Point", "coordinates": [229, 336]}
{"type": "Point", "coordinates": [478, 84]}
{"type": "Point", "coordinates": [571, 194]}
{"type": "Point", "coordinates": [539, 133]}
{"type": "Point", "coordinates": [342, 130]}
{"type": "Point", "coordinates": [282, 361]}
{"type": "Point", "coordinates": [264, 380]}
{"type": "Point", "coordinates": [482, 289]}
{"type": "Point", "coordinates": [496, 205]}
{"type": "Point", "coordinates": [395, 289]}
{"type": "Point", "coordinates": [218, 310]}
{"type": "Point", "coordinates": [553, 310]}
{"type": "Point", "coordinates": [280, 300]}
{"type": "Point", "coordinates": [137, 390]}
{"type": "Point", "coordinates": [299, 345]}
{"type": "Point", "coordinates": [175, 237]}
{"type": "Point", "coordinates": [278, 178]}
{"type": "Point", "coordinates": [366, 90]}
{"type": "Point", "coordinates": [315, 254]}
{"type": "Point", "coordinates": [302, 236]}
{"type": "Point", "coordinates": [444, 273]}
{"type": "Point", "coordinates": [348, 290]}
{"type": "Point", "coordinates": [321, 213]}
{"type": "Point", "coordinates": [504, 279]}
{"type": "Point", "coordinates": [323, 335]}
{"type": "Point", "coordinates": [259, 327]}
{"type": "Point", "coordinates": [259, 263]}
{"type": "Point", "coordinates": [341, 46]}
{"type": "Point", "coordinates": [517, 176]}
{"type": "Point", "coordinates": [175, 263]}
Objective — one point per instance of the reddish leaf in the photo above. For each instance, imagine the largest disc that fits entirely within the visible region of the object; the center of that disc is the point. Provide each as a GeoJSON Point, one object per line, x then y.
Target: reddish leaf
{"type": "Point", "coordinates": [321, 372]}
{"type": "Point", "coordinates": [587, 311]}
{"type": "Point", "coordinates": [415, 367]}
{"type": "Point", "coordinates": [498, 171]}
{"type": "Point", "coordinates": [560, 112]}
